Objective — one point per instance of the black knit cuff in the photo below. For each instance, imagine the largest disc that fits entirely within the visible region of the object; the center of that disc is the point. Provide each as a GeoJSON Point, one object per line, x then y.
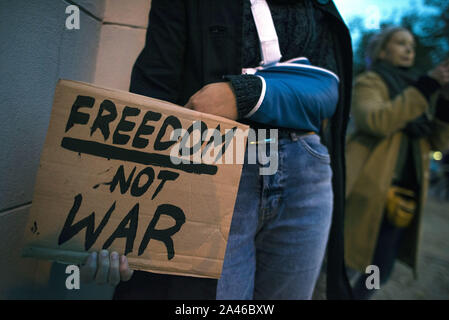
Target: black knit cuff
{"type": "Point", "coordinates": [247, 89]}
{"type": "Point", "coordinates": [427, 86]}
{"type": "Point", "coordinates": [442, 109]}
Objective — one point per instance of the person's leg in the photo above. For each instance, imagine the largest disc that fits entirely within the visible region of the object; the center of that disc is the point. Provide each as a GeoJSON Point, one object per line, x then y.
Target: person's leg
{"type": "Point", "coordinates": [237, 278]}
{"type": "Point", "coordinates": [384, 258]}
{"type": "Point", "coordinates": [296, 211]}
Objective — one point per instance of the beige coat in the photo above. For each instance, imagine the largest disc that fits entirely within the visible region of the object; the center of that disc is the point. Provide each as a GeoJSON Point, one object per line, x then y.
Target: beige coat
{"type": "Point", "coordinates": [372, 152]}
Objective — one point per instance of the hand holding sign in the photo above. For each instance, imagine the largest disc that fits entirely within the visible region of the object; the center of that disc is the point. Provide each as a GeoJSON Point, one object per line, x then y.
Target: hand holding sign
{"type": "Point", "coordinates": [103, 268]}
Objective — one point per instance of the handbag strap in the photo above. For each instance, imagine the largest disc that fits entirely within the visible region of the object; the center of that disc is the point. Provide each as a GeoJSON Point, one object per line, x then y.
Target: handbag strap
{"type": "Point", "coordinates": [269, 44]}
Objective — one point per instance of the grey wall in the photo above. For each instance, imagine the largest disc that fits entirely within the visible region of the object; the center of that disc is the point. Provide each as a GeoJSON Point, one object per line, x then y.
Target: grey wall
{"type": "Point", "coordinates": [36, 50]}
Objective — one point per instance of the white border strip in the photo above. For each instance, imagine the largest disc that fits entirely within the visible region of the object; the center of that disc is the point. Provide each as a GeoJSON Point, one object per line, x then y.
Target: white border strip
{"type": "Point", "coordinates": [280, 64]}
{"type": "Point", "coordinates": [295, 59]}
{"type": "Point", "coordinates": [289, 63]}
{"type": "Point", "coordinates": [259, 102]}
{"type": "Point", "coordinates": [269, 44]}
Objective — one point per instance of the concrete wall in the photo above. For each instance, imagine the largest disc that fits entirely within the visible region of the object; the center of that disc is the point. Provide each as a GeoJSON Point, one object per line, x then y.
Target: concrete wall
{"type": "Point", "coordinates": [36, 50]}
{"type": "Point", "coordinates": [122, 38]}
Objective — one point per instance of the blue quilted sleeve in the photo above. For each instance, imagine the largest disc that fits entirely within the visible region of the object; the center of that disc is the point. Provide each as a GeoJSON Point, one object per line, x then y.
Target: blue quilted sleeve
{"type": "Point", "coordinates": [295, 95]}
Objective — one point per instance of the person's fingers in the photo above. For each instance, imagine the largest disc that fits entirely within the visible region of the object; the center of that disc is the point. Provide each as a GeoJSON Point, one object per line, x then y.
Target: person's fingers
{"type": "Point", "coordinates": [103, 267]}
{"type": "Point", "coordinates": [114, 274]}
{"type": "Point", "coordinates": [89, 268]}
{"type": "Point", "coordinates": [125, 272]}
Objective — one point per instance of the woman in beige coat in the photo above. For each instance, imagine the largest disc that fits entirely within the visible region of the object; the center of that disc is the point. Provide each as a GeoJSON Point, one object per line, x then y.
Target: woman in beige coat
{"type": "Point", "coordinates": [398, 119]}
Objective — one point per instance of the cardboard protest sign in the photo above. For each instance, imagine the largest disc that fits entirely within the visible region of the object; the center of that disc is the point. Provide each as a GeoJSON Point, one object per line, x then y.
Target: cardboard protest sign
{"type": "Point", "coordinates": [136, 175]}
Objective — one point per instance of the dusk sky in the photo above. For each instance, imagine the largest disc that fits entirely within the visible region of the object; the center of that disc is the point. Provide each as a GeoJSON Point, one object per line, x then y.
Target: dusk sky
{"type": "Point", "coordinates": [370, 8]}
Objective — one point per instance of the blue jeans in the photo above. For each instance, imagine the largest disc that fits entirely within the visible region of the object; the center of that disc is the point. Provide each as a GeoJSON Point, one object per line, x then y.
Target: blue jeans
{"type": "Point", "coordinates": [280, 225]}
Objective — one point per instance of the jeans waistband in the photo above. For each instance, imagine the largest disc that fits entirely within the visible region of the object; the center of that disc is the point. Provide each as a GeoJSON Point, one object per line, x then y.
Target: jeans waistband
{"type": "Point", "coordinates": [282, 133]}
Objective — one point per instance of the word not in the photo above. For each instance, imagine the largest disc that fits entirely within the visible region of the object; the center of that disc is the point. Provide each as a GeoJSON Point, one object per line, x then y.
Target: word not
{"type": "Point", "coordinates": [73, 20]}
{"type": "Point", "coordinates": [73, 280]}
{"type": "Point", "coordinates": [136, 188]}
{"type": "Point", "coordinates": [372, 281]}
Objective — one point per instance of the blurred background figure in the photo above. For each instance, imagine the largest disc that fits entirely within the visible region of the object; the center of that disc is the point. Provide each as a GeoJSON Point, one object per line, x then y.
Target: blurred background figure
{"type": "Point", "coordinates": [398, 118]}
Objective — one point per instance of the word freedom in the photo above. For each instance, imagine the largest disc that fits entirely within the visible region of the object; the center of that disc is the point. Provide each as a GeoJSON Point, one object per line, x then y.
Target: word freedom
{"type": "Point", "coordinates": [197, 149]}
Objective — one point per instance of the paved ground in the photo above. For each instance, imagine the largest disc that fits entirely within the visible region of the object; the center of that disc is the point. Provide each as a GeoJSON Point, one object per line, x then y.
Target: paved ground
{"type": "Point", "coordinates": [433, 265]}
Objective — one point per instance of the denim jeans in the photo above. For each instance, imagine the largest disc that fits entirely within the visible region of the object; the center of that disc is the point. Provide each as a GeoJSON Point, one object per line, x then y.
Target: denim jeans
{"type": "Point", "coordinates": [280, 225]}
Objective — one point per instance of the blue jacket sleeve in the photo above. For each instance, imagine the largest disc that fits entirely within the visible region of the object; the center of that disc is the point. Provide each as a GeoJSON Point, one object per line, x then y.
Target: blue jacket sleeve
{"type": "Point", "coordinates": [295, 95]}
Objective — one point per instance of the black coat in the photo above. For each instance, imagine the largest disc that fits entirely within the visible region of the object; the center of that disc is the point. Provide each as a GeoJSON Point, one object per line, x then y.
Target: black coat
{"type": "Point", "coordinates": [193, 43]}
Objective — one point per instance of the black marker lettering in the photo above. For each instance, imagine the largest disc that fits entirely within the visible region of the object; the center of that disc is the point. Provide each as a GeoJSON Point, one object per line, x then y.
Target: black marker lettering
{"type": "Point", "coordinates": [190, 130]}
{"type": "Point", "coordinates": [70, 230]}
{"type": "Point", "coordinates": [137, 191]}
{"type": "Point", "coordinates": [163, 235]}
{"type": "Point", "coordinates": [102, 121]}
{"type": "Point", "coordinates": [216, 134]}
{"type": "Point", "coordinates": [125, 126]}
{"type": "Point", "coordinates": [122, 154]}
{"type": "Point", "coordinates": [122, 232]}
{"type": "Point", "coordinates": [164, 175]}
{"type": "Point", "coordinates": [226, 138]}
{"type": "Point", "coordinates": [75, 115]}
{"type": "Point", "coordinates": [120, 178]}
{"type": "Point", "coordinates": [175, 124]}
{"type": "Point", "coordinates": [144, 129]}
